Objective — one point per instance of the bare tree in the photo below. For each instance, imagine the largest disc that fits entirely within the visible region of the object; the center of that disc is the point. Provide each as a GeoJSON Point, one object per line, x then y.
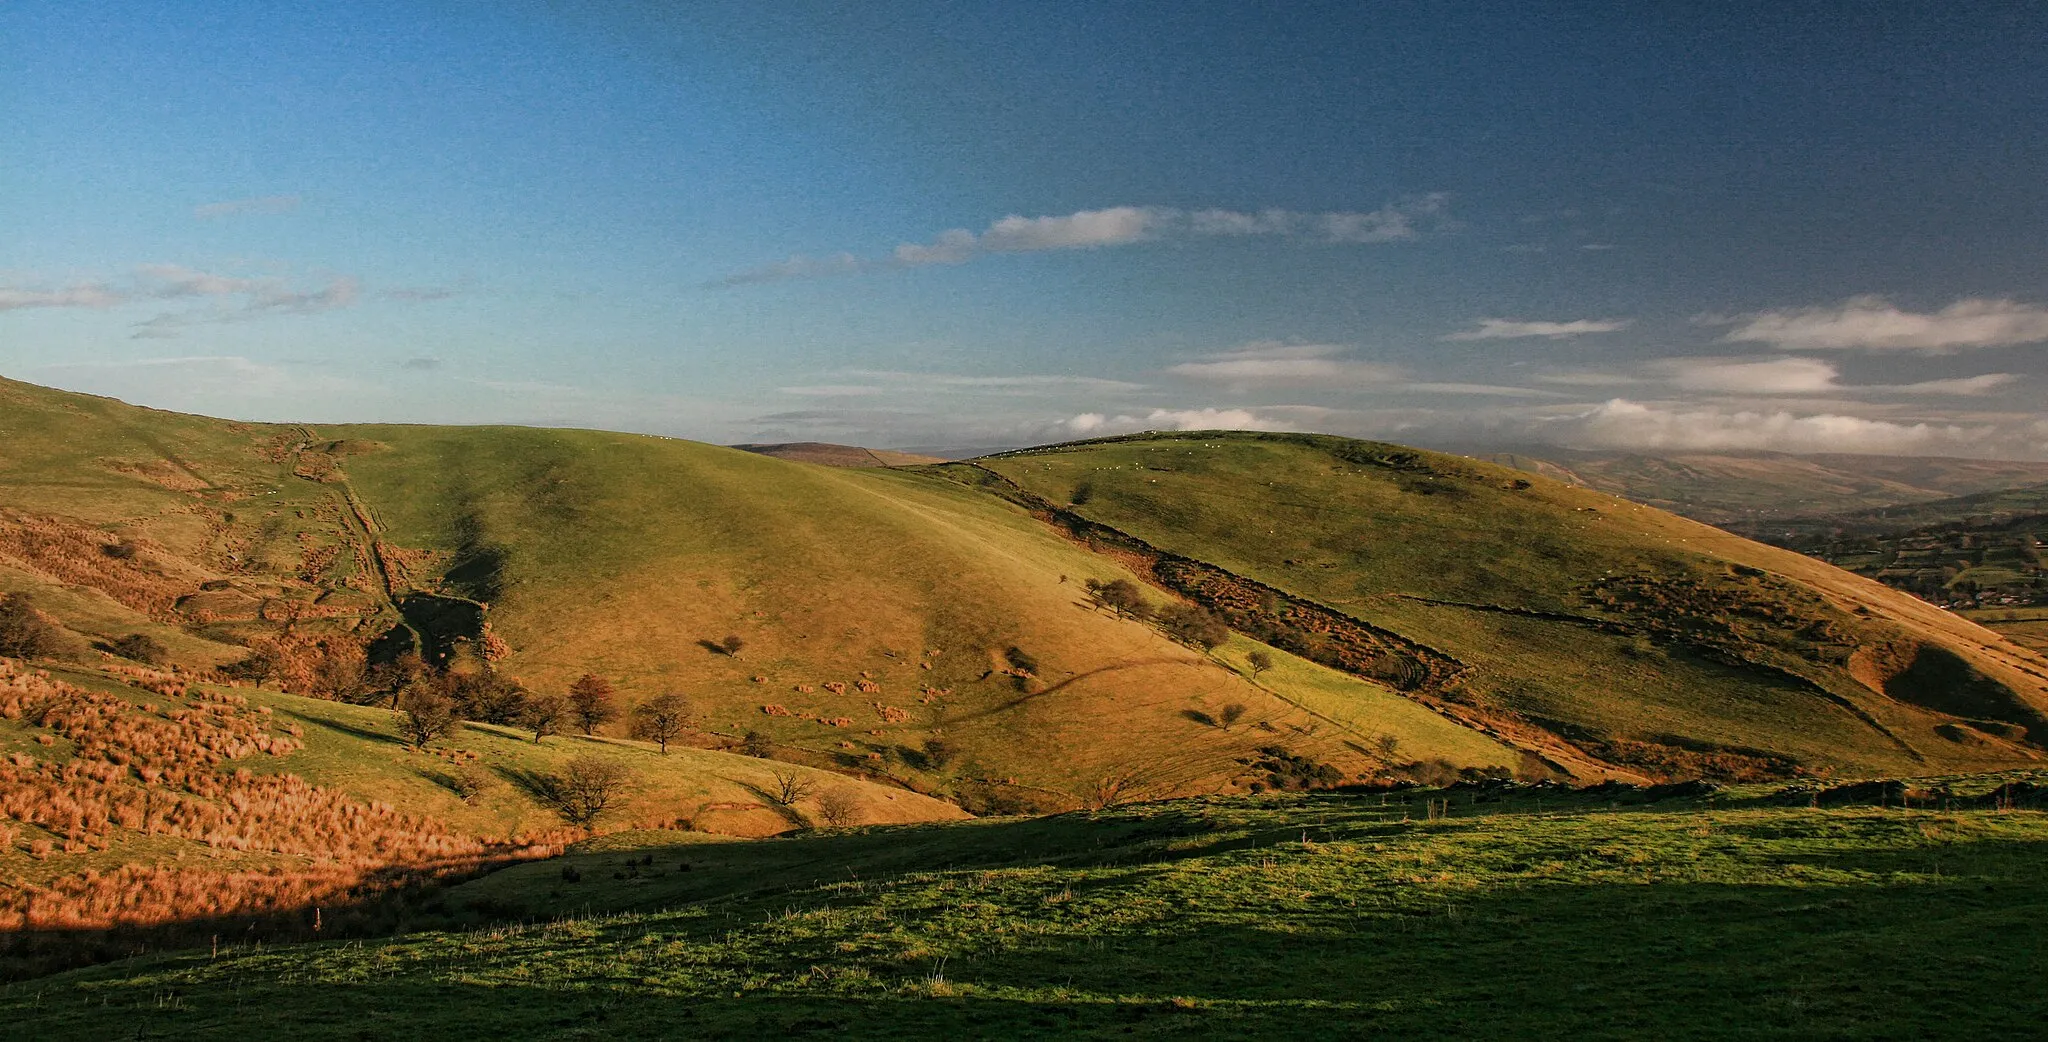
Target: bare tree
{"type": "Point", "coordinates": [425, 715]}
{"type": "Point", "coordinates": [661, 719]}
{"type": "Point", "coordinates": [732, 644]}
{"type": "Point", "coordinates": [839, 806]}
{"type": "Point", "coordinates": [586, 787]}
{"type": "Point", "coordinates": [544, 713]}
{"type": "Point", "coordinates": [791, 788]}
{"type": "Point", "coordinates": [592, 701]}
{"type": "Point", "coordinates": [1231, 714]}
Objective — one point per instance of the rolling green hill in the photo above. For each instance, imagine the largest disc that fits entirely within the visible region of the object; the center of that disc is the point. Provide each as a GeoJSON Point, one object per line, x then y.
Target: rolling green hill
{"type": "Point", "coordinates": [1541, 610]}
{"type": "Point", "coordinates": [932, 626]}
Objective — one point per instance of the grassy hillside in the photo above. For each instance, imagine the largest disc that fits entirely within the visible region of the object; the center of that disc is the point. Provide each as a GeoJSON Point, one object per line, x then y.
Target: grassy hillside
{"type": "Point", "coordinates": [878, 609]}
{"type": "Point", "coordinates": [911, 625]}
{"type": "Point", "coordinates": [1471, 913]}
{"type": "Point", "coordinates": [1549, 611]}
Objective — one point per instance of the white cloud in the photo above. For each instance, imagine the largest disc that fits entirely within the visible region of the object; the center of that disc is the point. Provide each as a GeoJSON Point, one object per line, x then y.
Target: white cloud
{"type": "Point", "coordinates": [1118, 226]}
{"type": "Point", "coordinates": [1096, 425]}
{"type": "Point", "coordinates": [1623, 424]}
{"type": "Point", "coordinates": [1511, 329]}
{"type": "Point", "coordinates": [1873, 323]}
{"type": "Point", "coordinates": [1771, 376]}
{"type": "Point", "coordinates": [269, 204]}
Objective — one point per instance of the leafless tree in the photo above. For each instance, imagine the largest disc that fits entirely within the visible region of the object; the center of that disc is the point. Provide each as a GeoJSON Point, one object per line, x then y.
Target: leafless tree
{"type": "Point", "coordinates": [586, 787]}
{"type": "Point", "coordinates": [839, 806]}
{"type": "Point", "coordinates": [791, 788]}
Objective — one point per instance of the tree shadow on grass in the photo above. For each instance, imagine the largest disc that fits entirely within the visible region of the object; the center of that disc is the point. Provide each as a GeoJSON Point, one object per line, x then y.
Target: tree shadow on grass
{"type": "Point", "coordinates": [364, 733]}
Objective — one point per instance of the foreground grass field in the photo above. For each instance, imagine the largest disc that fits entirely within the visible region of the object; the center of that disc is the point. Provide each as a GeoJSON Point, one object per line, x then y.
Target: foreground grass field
{"type": "Point", "coordinates": [1430, 913]}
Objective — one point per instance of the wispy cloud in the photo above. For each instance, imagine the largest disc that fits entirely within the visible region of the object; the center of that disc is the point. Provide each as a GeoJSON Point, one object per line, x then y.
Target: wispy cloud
{"type": "Point", "coordinates": [1400, 221]}
{"type": "Point", "coordinates": [1808, 376]}
{"type": "Point", "coordinates": [234, 297]}
{"type": "Point", "coordinates": [832, 390]}
{"type": "Point", "coordinates": [76, 295]}
{"type": "Point", "coordinates": [269, 204]}
{"type": "Point", "coordinates": [1514, 329]}
{"type": "Point", "coordinates": [1875, 324]}
{"type": "Point", "coordinates": [239, 299]}
{"type": "Point", "coordinates": [1001, 384]}
{"type": "Point", "coordinates": [1273, 363]}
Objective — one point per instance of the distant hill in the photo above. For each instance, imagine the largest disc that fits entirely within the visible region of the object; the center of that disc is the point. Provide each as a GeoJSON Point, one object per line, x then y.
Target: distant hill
{"type": "Point", "coordinates": [1985, 555]}
{"type": "Point", "coordinates": [1748, 491]}
{"type": "Point", "coordinates": [830, 455]}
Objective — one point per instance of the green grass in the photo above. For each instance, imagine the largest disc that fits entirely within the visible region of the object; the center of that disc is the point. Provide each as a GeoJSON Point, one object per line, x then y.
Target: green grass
{"type": "Point", "coordinates": [1540, 916]}
{"type": "Point", "coordinates": [1497, 568]}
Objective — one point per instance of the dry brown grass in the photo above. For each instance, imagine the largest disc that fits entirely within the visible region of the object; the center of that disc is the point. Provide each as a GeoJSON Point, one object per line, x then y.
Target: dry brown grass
{"type": "Point", "coordinates": [155, 770]}
{"type": "Point", "coordinates": [80, 555]}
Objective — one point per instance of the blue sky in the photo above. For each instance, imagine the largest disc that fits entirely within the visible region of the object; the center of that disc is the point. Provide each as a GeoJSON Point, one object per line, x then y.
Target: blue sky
{"type": "Point", "coordinates": [1716, 226]}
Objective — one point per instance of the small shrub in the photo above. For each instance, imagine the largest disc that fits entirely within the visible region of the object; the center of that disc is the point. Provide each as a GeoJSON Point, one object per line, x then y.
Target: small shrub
{"type": "Point", "coordinates": [24, 632]}
{"type": "Point", "coordinates": [1194, 625]}
{"type": "Point", "coordinates": [426, 715]}
{"type": "Point", "coordinates": [143, 648]}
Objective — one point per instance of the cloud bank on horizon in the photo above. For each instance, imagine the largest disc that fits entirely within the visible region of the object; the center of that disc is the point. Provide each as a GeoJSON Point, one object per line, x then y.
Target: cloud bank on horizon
{"type": "Point", "coordinates": [999, 227]}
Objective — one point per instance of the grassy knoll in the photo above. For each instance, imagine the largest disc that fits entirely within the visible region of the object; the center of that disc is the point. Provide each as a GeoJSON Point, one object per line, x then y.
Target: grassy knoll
{"type": "Point", "coordinates": [624, 555]}
{"type": "Point", "coordinates": [1448, 915]}
{"type": "Point", "coordinates": [1648, 640]}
